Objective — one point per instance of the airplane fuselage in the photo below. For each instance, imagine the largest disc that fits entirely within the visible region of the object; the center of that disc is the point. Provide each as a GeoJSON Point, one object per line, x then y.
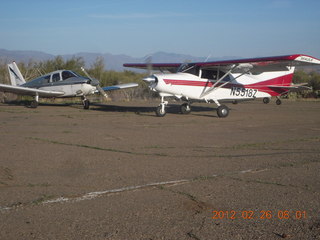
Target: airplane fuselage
{"type": "Point", "coordinates": [73, 86]}
{"type": "Point", "coordinates": [234, 86]}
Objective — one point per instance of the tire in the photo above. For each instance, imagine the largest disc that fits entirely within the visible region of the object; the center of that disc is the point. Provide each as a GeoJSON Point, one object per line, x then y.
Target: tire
{"type": "Point", "coordinates": [34, 104]}
{"type": "Point", "coordinates": [185, 108]}
{"type": "Point", "coordinates": [160, 112]}
{"type": "Point", "coordinates": [266, 100]}
{"type": "Point", "coordinates": [223, 111]}
{"type": "Point", "coordinates": [278, 102]}
{"type": "Point", "coordinates": [86, 104]}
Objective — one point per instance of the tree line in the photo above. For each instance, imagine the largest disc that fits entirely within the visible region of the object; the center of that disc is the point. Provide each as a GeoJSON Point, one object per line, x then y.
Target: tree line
{"type": "Point", "coordinates": [33, 69]}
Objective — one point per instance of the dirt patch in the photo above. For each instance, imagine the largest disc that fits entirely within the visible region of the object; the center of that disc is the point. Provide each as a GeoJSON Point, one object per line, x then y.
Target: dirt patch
{"type": "Point", "coordinates": [119, 172]}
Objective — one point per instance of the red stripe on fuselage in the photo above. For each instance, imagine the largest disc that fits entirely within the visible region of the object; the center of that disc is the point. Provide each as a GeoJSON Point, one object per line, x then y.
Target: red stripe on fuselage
{"type": "Point", "coordinates": [261, 86]}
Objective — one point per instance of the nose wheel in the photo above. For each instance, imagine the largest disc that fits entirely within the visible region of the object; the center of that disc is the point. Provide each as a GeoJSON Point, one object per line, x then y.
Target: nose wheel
{"type": "Point", "coordinates": [161, 109]}
{"type": "Point", "coordinates": [86, 103]}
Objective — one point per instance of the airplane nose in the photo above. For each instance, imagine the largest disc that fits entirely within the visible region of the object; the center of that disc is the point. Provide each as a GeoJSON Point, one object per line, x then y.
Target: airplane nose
{"type": "Point", "coordinates": [152, 81]}
{"type": "Point", "coordinates": [94, 82]}
{"type": "Point", "coordinates": [149, 79]}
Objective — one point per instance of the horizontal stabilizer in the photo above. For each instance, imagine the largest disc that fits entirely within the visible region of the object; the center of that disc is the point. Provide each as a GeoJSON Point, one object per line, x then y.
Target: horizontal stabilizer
{"type": "Point", "coordinates": [29, 91]}
{"type": "Point", "coordinates": [301, 86]}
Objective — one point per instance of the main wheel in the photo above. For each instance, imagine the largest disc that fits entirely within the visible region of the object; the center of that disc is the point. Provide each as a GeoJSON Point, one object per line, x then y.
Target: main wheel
{"type": "Point", "coordinates": [160, 112]}
{"type": "Point", "coordinates": [223, 111]}
{"type": "Point", "coordinates": [34, 104]}
{"type": "Point", "coordinates": [185, 108]}
{"type": "Point", "coordinates": [266, 100]}
{"type": "Point", "coordinates": [86, 104]}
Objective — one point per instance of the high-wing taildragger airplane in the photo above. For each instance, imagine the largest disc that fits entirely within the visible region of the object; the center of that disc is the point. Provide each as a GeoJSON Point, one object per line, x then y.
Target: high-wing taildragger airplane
{"type": "Point", "coordinates": [222, 81]}
{"type": "Point", "coordinates": [57, 84]}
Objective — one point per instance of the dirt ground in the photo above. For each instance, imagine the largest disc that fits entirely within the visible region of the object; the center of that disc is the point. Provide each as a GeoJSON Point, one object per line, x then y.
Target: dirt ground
{"type": "Point", "coordinates": [119, 172]}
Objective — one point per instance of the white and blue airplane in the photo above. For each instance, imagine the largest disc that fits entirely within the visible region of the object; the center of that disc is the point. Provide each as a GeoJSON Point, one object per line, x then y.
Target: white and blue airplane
{"type": "Point", "coordinates": [57, 84]}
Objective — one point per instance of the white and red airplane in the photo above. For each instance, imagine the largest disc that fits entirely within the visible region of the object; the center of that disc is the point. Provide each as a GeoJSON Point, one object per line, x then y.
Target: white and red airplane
{"type": "Point", "coordinates": [223, 81]}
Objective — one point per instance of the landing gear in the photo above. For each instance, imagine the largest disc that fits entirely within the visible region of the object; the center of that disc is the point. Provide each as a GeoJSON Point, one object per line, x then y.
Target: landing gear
{"type": "Point", "coordinates": [185, 108]}
{"type": "Point", "coordinates": [161, 112]}
{"type": "Point", "coordinates": [223, 111]}
{"type": "Point", "coordinates": [34, 104]}
{"type": "Point", "coordinates": [86, 103]}
{"type": "Point", "coordinates": [266, 100]}
{"type": "Point", "coordinates": [278, 101]}
{"type": "Point", "coordinates": [161, 109]}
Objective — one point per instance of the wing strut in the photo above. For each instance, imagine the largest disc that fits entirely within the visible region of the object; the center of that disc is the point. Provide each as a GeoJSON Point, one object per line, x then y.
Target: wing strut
{"type": "Point", "coordinates": [219, 80]}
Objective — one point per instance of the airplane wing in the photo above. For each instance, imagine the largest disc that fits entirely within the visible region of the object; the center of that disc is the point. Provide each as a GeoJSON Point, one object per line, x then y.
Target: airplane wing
{"type": "Point", "coordinates": [29, 91]}
{"type": "Point", "coordinates": [171, 67]}
{"type": "Point", "coordinates": [255, 65]}
{"type": "Point", "coordinates": [264, 64]}
{"type": "Point", "coordinates": [120, 86]}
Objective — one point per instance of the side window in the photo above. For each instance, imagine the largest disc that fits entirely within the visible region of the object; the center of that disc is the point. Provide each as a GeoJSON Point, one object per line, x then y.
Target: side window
{"type": "Point", "coordinates": [56, 77]}
{"type": "Point", "coordinates": [214, 75]}
{"type": "Point", "coordinates": [209, 74]}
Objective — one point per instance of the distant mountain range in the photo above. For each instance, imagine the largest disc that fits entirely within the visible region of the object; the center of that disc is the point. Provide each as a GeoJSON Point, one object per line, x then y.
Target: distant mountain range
{"type": "Point", "coordinates": [112, 62]}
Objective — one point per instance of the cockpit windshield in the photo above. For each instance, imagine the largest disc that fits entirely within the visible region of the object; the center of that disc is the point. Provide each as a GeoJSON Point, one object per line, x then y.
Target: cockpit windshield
{"type": "Point", "coordinates": [68, 74]}
{"type": "Point", "coordinates": [189, 68]}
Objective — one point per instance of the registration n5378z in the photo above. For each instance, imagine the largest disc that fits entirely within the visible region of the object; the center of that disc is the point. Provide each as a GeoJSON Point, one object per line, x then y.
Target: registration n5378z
{"type": "Point", "coordinates": [243, 92]}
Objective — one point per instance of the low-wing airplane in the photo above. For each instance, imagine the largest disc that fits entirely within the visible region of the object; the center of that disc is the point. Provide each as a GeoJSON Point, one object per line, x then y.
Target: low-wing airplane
{"type": "Point", "coordinates": [223, 81]}
{"type": "Point", "coordinates": [57, 84]}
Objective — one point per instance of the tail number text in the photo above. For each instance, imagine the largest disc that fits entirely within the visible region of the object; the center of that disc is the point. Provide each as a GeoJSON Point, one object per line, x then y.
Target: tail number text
{"type": "Point", "coordinates": [243, 92]}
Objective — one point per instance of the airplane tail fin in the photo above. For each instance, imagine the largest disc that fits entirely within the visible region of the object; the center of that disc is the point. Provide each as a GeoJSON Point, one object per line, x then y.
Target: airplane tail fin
{"type": "Point", "coordinates": [16, 77]}
{"type": "Point", "coordinates": [283, 78]}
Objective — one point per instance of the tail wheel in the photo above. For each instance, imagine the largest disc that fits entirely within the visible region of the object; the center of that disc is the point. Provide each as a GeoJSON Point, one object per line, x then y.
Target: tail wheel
{"type": "Point", "coordinates": [185, 108]}
{"type": "Point", "coordinates": [161, 112]}
{"type": "Point", "coordinates": [223, 111]}
{"type": "Point", "coordinates": [278, 102]}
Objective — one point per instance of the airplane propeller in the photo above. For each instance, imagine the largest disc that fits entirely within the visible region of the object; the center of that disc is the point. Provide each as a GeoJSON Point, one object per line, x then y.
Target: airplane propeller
{"type": "Point", "coordinates": [150, 78]}
{"type": "Point", "coordinates": [95, 82]}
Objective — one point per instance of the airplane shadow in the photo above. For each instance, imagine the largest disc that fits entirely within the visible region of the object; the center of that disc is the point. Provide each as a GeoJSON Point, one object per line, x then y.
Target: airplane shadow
{"type": "Point", "coordinates": [140, 110]}
{"type": "Point", "coordinates": [171, 109]}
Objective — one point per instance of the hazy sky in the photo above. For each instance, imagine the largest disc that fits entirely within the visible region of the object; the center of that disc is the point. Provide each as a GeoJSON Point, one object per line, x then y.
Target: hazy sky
{"type": "Point", "coordinates": [245, 28]}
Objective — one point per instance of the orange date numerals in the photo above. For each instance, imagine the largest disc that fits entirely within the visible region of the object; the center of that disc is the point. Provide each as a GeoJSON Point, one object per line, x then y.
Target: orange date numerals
{"type": "Point", "coordinates": [263, 214]}
{"type": "Point", "coordinates": [224, 214]}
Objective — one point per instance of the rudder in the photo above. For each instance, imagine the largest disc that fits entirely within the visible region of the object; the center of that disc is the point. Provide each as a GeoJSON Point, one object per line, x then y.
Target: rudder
{"type": "Point", "coordinates": [16, 77]}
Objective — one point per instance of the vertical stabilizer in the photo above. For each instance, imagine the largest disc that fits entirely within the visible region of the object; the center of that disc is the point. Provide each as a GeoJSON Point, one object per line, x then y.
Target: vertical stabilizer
{"type": "Point", "coordinates": [16, 77]}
